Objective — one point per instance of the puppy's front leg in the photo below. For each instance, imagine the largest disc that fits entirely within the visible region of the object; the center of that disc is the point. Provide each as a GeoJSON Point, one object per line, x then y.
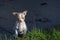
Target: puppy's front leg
{"type": "Point", "coordinates": [16, 29]}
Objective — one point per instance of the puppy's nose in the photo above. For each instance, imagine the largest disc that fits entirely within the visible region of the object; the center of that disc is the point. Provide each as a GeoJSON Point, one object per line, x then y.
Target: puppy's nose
{"type": "Point", "coordinates": [19, 20]}
{"type": "Point", "coordinates": [21, 32]}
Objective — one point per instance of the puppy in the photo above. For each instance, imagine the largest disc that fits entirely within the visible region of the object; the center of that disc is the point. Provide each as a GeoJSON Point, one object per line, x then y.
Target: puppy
{"type": "Point", "coordinates": [20, 28]}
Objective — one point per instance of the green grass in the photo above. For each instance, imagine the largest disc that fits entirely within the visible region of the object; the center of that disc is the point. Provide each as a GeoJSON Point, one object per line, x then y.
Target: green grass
{"type": "Point", "coordinates": [37, 34]}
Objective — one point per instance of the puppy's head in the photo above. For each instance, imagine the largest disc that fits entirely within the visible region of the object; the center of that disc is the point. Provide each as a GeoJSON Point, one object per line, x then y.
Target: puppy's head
{"type": "Point", "coordinates": [20, 15]}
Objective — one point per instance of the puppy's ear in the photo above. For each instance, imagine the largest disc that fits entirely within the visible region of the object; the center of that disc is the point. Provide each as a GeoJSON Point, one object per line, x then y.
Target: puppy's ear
{"type": "Point", "coordinates": [15, 13]}
{"type": "Point", "coordinates": [24, 12]}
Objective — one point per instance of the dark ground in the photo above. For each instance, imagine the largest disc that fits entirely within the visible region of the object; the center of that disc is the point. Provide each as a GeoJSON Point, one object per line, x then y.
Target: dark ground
{"type": "Point", "coordinates": [41, 13]}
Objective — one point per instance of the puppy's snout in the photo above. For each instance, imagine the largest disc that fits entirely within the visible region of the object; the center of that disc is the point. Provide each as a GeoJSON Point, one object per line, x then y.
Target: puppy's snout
{"type": "Point", "coordinates": [19, 20]}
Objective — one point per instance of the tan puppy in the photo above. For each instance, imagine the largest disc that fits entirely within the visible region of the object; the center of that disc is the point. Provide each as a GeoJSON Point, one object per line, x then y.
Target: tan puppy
{"type": "Point", "coordinates": [21, 27]}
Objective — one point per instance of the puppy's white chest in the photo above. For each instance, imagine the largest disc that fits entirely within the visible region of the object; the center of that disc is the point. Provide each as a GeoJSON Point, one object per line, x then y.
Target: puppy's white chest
{"type": "Point", "coordinates": [22, 26]}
